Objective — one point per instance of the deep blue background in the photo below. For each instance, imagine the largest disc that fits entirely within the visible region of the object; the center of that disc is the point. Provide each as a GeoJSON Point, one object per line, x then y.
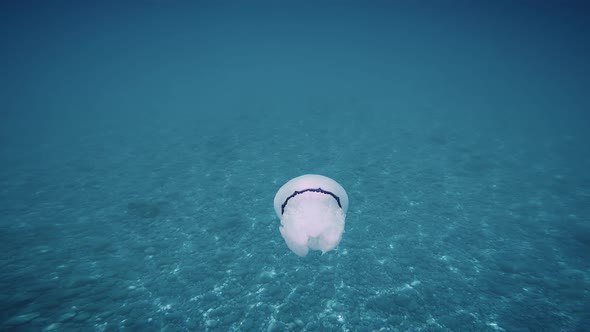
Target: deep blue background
{"type": "Point", "coordinates": [142, 144]}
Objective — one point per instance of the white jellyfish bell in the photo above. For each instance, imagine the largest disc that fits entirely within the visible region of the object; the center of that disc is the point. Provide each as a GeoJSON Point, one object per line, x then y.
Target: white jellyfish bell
{"type": "Point", "coordinates": [312, 209]}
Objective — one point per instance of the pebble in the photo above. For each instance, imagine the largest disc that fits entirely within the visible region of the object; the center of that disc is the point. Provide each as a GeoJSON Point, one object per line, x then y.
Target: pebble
{"type": "Point", "coordinates": [211, 323]}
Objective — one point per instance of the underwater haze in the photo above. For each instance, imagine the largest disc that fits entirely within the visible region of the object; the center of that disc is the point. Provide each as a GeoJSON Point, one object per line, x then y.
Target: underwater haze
{"type": "Point", "coordinates": [142, 144]}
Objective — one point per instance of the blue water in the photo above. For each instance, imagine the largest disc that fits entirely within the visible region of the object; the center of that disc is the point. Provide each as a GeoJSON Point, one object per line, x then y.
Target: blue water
{"type": "Point", "coordinates": [142, 144]}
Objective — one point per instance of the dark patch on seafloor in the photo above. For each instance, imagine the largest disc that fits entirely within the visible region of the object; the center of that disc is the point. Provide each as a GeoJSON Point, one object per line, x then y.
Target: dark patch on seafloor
{"type": "Point", "coordinates": [144, 210]}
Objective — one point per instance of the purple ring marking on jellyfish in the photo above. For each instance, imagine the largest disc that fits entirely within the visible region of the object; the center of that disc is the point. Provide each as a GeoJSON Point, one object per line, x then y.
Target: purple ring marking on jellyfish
{"type": "Point", "coordinates": [318, 190]}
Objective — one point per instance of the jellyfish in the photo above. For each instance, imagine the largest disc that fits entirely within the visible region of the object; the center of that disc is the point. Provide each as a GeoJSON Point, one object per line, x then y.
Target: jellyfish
{"type": "Point", "coordinates": [312, 209]}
